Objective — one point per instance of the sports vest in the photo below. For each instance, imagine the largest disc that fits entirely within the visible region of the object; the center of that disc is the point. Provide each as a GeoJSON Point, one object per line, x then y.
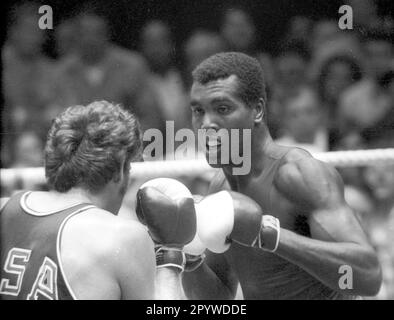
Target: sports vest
{"type": "Point", "coordinates": [31, 266]}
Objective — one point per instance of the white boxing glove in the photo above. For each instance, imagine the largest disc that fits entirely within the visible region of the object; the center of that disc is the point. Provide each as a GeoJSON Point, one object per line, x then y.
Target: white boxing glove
{"type": "Point", "coordinates": [215, 221]}
{"type": "Point", "coordinates": [228, 216]}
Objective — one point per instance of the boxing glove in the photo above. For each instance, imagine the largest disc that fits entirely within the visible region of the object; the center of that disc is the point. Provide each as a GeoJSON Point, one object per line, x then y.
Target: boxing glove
{"type": "Point", "coordinates": [166, 207]}
{"type": "Point", "coordinates": [229, 216]}
{"type": "Point", "coordinates": [194, 250]}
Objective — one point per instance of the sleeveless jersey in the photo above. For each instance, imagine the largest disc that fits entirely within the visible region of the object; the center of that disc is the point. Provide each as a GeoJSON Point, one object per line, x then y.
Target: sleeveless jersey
{"type": "Point", "coordinates": [31, 266]}
{"type": "Point", "coordinates": [271, 276]}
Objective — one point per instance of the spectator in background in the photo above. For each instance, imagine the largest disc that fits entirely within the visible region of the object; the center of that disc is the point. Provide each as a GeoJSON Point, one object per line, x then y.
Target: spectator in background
{"type": "Point", "coordinates": [300, 29]}
{"type": "Point", "coordinates": [101, 70]}
{"type": "Point", "coordinates": [328, 41]}
{"type": "Point", "coordinates": [238, 31]}
{"type": "Point", "coordinates": [291, 74]}
{"type": "Point", "coordinates": [380, 221]}
{"type": "Point", "coordinates": [200, 45]}
{"type": "Point", "coordinates": [380, 180]}
{"type": "Point", "coordinates": [28, 150]}
{"type": "Point", "coordinates": [378, 49]}
{"type": "Point", "coordinates": [379, 132]}
{"type": "Point", "coordinates": [366, 18]}
{"type": "Point", "coordinates": [364, 13]}
{"type": "Point", "coordinates": [158, 48]}
{"type": "Point", "coordinates": [366, 103]}
{"type": "Point", "coordinates": [291, 68]}
{"type": "Point", "coordinates": [337, 74]}
{"type": "Point", "coordinates": [298, 35]}
{"type": "Point", "coordinates": [304, 122]}
{"type": "Point", "coordinates": [27, 76]}
{"type": "Point", "coordinates": [323, 31]}
{"type": "Point", "coordinates": [66, 35]}
{"type": "Point", "coordinates": [383, 129]}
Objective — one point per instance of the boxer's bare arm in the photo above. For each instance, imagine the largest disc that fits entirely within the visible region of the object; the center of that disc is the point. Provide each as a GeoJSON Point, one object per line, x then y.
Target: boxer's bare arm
{"type": "Point", "coordinates": [138, 277]}
{"type": "Point", "coordinates": [213, 280]}
{"type": "Point", "coordinates": [168, 284]}
{"type": "Point", "coordinates": [134, 262]}
{"type": "Point", "coordinates": [107, 257]}
{"type": "Point", "coordinates": [337, 238]}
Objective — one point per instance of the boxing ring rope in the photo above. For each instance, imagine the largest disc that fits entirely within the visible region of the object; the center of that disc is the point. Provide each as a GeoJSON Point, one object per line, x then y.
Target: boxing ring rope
{"type": "Point", "coordinates": [200, 167]}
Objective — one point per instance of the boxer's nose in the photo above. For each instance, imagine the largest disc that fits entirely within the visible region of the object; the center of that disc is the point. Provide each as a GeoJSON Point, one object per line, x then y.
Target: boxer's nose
{"type": "Point", "coordinates": [209, 122]}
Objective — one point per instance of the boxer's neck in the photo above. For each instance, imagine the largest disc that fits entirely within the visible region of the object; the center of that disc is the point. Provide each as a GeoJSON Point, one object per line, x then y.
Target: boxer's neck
{"type": "Point", "coordinates": [261, 145]}
{"type": "Point", "coordinates": [102, 199]}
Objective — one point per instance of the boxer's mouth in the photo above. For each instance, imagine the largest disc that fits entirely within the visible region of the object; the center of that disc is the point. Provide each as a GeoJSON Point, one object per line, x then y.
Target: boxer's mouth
{"type": "Point", "coordinates": [213, 142]}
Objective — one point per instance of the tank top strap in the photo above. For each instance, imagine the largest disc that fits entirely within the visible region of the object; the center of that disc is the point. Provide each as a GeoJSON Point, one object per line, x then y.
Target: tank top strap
{"type": "Point", "coordinates": [63, 211]}
{"type": "Point", "coordinates": [13, 202]}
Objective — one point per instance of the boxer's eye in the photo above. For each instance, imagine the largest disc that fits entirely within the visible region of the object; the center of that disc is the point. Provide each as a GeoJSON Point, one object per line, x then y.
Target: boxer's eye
{"type": "Point", "coordinates": [197, 110]}
{"type": "Point", "coordinates": [223, 109]}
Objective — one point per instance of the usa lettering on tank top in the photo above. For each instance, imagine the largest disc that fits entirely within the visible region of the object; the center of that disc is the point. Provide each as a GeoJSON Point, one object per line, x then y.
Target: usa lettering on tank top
{"type": "Point", "coordinates": [31, 266]}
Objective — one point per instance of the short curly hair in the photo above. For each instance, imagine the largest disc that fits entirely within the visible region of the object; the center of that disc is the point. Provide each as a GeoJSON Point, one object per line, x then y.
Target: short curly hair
{"type": "Point", "coordinates": [251, 86]}
{"type": "Point", "coordinates": [86, 146]}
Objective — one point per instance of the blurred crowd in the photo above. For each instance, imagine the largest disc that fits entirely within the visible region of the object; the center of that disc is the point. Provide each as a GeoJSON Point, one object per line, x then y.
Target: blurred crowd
{"type": "Point", "coordinates": [328, 89]}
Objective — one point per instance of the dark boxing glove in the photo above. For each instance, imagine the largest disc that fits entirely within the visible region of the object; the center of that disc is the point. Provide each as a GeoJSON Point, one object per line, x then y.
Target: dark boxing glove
{"type": "Point", "coordinates": [166, 207]}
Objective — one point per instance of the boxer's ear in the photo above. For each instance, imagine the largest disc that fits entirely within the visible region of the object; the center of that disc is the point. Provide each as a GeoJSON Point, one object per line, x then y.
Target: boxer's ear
{"type": "Point", "coordinates": [259, 111]}
{"type": "Point", "coordinates": [121, 173]}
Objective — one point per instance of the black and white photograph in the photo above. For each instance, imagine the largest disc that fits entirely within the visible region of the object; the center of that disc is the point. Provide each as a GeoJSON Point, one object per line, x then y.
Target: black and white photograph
{"type": "Point", "coordinates": [212, 152]}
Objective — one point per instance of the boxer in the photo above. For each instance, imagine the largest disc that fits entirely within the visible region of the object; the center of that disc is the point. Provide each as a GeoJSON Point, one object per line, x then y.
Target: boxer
{"type": "Point", "coordinates": [68, 243]}
{"type": "Point", "coordinates": [292, 233]}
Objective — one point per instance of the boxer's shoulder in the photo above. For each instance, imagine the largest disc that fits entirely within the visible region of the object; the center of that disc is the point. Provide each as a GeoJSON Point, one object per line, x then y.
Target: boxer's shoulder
{"type": "Point", "coordinates": [292, 166]}
{"type": "Point", "coordinates": [299, 163]}
{"type": "Point", "coordinates": [104, 232]}
{"type": "Point", "coordinates": [303, 179]}
{"type": "Point", "coordinates": [106, 247]}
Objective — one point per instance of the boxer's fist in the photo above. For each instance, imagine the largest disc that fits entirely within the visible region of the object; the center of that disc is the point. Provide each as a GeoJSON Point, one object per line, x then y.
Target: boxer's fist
{"type": "Point", "coordinates": [166, 207]}
{"type": "Point", "coordinates": [229, 216]}
{"type": "Point", "coordinates": [195, 250]}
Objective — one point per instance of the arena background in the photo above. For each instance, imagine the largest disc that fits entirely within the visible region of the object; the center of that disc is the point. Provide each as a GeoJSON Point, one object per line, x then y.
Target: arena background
{"type": "Point", "coordinates": [28, 105]}
{"type": "Point", "coordinates": [271, 17]}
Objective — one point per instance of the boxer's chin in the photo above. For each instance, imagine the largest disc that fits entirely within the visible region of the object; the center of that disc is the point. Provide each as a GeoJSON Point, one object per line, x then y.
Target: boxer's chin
{"type": "Point", "coordinates": [214, 157]}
